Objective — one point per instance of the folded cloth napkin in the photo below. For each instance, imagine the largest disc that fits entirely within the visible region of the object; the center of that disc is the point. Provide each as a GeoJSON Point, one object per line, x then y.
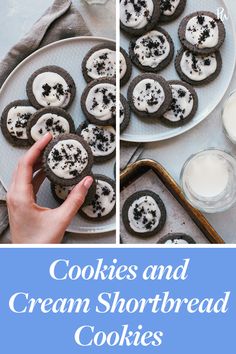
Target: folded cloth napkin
{"type": "Point", "coordinates": [61, 20]}
{"type": "Point", "coordinates": [129, 153]}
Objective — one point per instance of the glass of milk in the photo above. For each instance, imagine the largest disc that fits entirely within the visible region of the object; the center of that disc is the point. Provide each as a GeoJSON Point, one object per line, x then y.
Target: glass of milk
{"type": "Point", "coordinates": [229, 117]}
{"type": "Point", "coordinates": [208, 180]}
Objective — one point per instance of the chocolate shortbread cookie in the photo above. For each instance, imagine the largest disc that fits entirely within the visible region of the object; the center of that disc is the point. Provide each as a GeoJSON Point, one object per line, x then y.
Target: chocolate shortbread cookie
{"type": "Point", "coordinates": [153, 51]}
{"type": "Point", "coordinates": [184, 104]}
{"type": "Point", "coordinates": [103, 205]}
{"type": "Point", "coordinates": [198, 69]}
{"type": "Point", "coordinates": [101, 139]}
{"type": "Point", "coordinates": [51, 86]}
{"type": "Point", "coordinates": [67, 159]}
{"type": "Point", "coordinates": [60, 193]}
{"type": "Point", "coordinates": [144, 214]}
{"type": "Point", "coordinates": [202, 32]}
{"type": "Point", "coordinates": [98, 101]}
{"type": "Point", "coordinates": [14, 122]}
{"type": "Point", "coordinates": [139, 16]}
{"type": "Point", "coordinates": [149, 95]}
{"type": "Point", "coordinates": [125, 67]}
{"type": "Point", "coordinates": [100, 62]}
{"type": "Point", "coordinates": [53, 119]}
{"type": "Point", "coordinates": [124, 113]}
{"type": "Point", "coordinates": [176, 239]}
{"type": "Point", "coordinates": [171, 9]}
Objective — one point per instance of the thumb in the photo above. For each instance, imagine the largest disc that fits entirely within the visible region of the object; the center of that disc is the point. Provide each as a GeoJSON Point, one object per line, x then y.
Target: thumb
{"type": "Point", "coordinates": [75, 199]}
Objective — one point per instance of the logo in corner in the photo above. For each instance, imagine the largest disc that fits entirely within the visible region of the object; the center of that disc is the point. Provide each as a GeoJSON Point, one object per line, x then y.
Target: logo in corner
{"type": "Point", "coordinates": [222, 14]}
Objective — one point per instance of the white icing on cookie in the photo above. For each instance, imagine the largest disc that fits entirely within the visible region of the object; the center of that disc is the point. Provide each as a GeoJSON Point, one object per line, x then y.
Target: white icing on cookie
{"type": "Point", "coordinates": [49, 123]}
{"type": "Point", "coordinates": [102, 140]}
{"type": "Point", "coordinates": [122, 113]}
{"type": "Point", "coordinates": [136, 13]}
{"type": "Point", "coordinates": [198, 67]}
{"type": "Point", "coordinates": [67, 159]}
{"type": "Point", "coordinates": [101, 101]}
{"type": "Point", "coordinates": [17, 118]}
{"type": "Point", "coordinates": [176, 241]}
{"type": "Point", "coordinates": [182, 103]}
{"type": "Point", "coordinates": [148, 96]}
{"type": "Point", "coordinates": [102, 63]}
{"type": "Point", "coordinates": [123, 66]}
{"type": "Point", "coordinates": [144, 214]}
{"type": "Point", "coordinates": [168, 7]}
{"type": "Point", "coordinates": [152, 48]}
{"type": "Point", "coordinates": [62, 192]}
{"type": "Point", "coordinates": [202, 31]}
{"type": "Point", "coordinates": [51, 89]}
{"type": "Point", "coordinates": [103, 202]}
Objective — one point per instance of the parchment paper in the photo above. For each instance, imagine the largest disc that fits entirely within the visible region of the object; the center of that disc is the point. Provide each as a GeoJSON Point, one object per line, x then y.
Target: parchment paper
{"type": "Point", "coordinates": [177, 218]}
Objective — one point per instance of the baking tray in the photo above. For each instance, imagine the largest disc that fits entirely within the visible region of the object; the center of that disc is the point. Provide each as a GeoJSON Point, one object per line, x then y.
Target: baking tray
{"type": "Point", "coordinates": [138, 169]}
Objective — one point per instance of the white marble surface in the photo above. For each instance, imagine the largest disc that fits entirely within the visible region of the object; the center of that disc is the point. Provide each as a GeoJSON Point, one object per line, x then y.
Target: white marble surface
{"type": "Point", "coordinates": [173, 153]}
{"type": "Point", "coordinates": [17, 17]}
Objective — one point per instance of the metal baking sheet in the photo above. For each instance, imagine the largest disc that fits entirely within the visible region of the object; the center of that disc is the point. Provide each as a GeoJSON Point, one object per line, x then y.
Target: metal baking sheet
{"type": "Point", "coordinates": [68, 54]}
{"type": "Point", "coordinates": [143, 176]}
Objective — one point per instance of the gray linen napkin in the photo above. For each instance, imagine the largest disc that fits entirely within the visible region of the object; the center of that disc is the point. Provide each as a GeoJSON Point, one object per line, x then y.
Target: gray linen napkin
{"type": "Point", "coordinates": [61, 20]}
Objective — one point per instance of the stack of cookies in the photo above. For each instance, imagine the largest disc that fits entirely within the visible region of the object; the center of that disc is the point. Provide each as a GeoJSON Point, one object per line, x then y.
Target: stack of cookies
{"type": "Point", "coordinates": [173, 103]}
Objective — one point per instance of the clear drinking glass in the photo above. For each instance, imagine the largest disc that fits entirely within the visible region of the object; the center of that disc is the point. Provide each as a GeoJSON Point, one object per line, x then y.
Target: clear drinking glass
{"type": "Point", "coordinates": [209, 202]}
{"type": "Point", "coordinates": [229, 117]}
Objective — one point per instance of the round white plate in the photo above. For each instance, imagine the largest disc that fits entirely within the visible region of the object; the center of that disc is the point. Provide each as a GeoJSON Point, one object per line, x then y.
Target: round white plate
{"type": "Point", "coordinates": [209, 95]}
{"type": "Point", "coordinates": [68, 54]}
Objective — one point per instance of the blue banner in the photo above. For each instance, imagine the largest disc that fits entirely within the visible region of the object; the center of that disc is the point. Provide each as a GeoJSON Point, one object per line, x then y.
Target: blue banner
{"type": "Point", "coordinates": [119, 300]}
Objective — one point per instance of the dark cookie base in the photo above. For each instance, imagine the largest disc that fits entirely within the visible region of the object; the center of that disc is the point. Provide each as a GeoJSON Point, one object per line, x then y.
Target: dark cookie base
{"type": "Point", "coordinates": [54, 69]}
{"type": "Point", "coordinates": [88, 199]}
{"type": "Point", "coordinates": [108, 45]}
{"type": "Point", "coordinates": [128, 73]}
{"type": "Point", "coordinates": [155, 17]}
{"type": "Point", "coordinates": [112, 212]}
{"type": "Point", "coordinates": [111, 46]}
{"type": "Point", "coordinates": [178, 11]}
{"type": "Point", "coordinates": [197, 83]}
{"type": "Point", "coordinates": [186, 120]}
{"type": "Point", "coordinates": [126, 120]}
{"type": "Point", "coordinates": [174, 236]}
{"type": "Point", "coordinates": [130, 201]}
{"type": "Point", "coordinates": [163, 64]}
{"type": "Point", "coordinates": [12, 139]}
{"type": "Point", "coordinates": [62, 181]}
{"type": "Point", "coordinates": [168, 95]}
{"type": "Point", "coordinates": [99, 159]}
{"type": "Point", "coordinates": [194, 48]}
{"type": "Point", "coordinates": [53, 110]}
{"type": "Point", "coordinates": [90, 117]}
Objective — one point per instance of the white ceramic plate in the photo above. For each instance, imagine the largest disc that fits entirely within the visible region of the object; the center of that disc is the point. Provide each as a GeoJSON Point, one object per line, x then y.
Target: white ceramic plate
{"type": "Point", "coordinates": [68, 54]}
{"type": "Point", "coordinates": [209, 96]}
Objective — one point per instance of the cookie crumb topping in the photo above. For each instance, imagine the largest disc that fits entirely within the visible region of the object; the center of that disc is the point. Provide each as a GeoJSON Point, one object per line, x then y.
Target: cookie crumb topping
{"type": "Point", "coordinates": [103, 202]}
{"type": "Point", "coordinates": [144, 214]}
{"type": "Point", "coordinates": [67, 159]}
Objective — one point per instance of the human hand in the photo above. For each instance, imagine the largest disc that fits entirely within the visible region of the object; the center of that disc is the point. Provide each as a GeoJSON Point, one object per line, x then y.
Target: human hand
{"type": "Point", "coordinates": [29, 222]}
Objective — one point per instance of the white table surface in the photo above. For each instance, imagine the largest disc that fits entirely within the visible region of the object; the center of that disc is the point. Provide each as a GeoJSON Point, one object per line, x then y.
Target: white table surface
{"type": "Point", "coordinates": [17, 17]}
{"type": "Point", "coordinates": [173, 153]}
